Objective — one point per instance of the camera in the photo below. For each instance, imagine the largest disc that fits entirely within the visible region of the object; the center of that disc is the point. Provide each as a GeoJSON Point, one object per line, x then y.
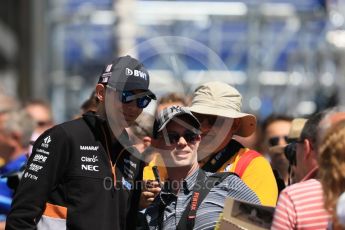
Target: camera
{"type": "Point", "coordinates": [290, 153]}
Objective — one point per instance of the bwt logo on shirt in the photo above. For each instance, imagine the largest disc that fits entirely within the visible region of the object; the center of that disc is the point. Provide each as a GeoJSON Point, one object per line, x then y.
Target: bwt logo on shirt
{"type": "Point", "coordinates": [136, 73]}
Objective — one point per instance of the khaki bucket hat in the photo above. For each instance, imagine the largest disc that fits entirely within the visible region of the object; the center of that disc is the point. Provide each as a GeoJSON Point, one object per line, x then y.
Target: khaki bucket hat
{"type": "Point", "coordinates": [220, 99]}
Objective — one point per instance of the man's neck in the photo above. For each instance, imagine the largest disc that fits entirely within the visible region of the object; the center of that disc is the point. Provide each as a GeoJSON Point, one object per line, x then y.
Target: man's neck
{"type": "Point", "coordinates": [219, 148]}
{"type": "Point", "coordinates": [224, 143]}
{"type": "Point", "coordinates": [206, 159]}
{"type": "Point", "coordinates": [312, 173]}
{"type": "Point", "coordinates": [114, 133]}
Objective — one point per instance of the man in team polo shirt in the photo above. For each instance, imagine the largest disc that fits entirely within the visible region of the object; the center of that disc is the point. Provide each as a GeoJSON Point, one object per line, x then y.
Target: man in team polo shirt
{"type": "Point", "coordinates": [82, 174]}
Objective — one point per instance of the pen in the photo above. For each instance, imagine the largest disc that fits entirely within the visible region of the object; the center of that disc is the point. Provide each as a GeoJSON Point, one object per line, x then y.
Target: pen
{"type": "Point", "coordinates": [156, 174]}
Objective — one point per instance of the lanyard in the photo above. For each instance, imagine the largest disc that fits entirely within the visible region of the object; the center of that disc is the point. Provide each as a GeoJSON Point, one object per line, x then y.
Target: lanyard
{"type": "Point", "coordinates": [202, 187]}
{"type": "Point", "coordinates": [219, 159]}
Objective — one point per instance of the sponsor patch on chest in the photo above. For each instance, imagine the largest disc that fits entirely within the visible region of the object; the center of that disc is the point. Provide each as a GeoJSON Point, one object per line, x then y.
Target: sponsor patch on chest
{"type": "Point", "coordinates": [89, 147]}
{"type": "Point", "coordinates": [89, 163]}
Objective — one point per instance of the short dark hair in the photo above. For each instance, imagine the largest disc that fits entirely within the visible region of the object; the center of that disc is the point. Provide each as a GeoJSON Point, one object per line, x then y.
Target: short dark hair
{"type": "Point", "coordinates": [310, 129]}
{"type": "Point", "coordinates": [273, 118]}
{"type": "Point", "coordinates": [91, 103]}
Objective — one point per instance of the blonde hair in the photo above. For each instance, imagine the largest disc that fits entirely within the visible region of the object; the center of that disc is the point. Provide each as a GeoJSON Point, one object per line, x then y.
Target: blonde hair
{"type": "Point", "coordinates": [19, 121]}
{"type": "Point", "coordinates": [332, 166]}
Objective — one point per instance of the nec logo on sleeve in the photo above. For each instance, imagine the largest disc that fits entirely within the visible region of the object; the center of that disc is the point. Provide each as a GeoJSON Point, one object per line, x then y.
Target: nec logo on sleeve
{"type": "Point", "coordinates": [136, 73]}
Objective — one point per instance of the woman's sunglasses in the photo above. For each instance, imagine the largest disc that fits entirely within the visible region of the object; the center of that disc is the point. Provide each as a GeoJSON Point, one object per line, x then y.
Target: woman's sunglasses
{"type": "Point", "coordinates": [273, 141]}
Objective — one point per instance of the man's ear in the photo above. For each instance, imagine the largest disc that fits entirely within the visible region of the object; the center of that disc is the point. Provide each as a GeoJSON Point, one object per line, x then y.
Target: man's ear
{"type": "Point", "coordinates": [100, 92]}
{"type": "Point", "coordinates": [147, 141]}
{"type": "Point", "coordinates": [199, 138]}
{"type": "Point", "coordinates": [235, 125]}
{"type": "Point", "coordinates": [307, 149]}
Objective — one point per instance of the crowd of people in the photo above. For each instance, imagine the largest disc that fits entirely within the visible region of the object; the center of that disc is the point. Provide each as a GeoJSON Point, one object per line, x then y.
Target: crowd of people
{"type": "Point", "coordinates": [117, 167]}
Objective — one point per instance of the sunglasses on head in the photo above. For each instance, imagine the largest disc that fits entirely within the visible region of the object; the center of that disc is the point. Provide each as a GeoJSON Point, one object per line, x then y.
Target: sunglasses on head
{"type": "Point", "coordinates": [273, 141]}
{"type": "Point", "coordinates": [189, 136]}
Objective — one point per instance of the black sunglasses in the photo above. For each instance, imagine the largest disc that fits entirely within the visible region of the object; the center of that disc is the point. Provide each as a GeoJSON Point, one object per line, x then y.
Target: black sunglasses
{"type": "Point", "coordinates": [189, 136]}
{"type": "Point", "coordinates": [43, 123]}
{"type": "Point", "coordinates": [273, 141]}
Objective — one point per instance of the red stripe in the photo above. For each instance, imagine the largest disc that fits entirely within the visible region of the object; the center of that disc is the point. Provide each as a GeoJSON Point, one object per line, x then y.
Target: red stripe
{"type": "Point", "coordinates": [244, 161]}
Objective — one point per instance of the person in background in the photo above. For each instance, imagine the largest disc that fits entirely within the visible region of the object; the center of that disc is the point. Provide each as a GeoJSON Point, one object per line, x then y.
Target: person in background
{"type": "Point", "coordinates": [332, 165]}
{"type": "Point", "coordinates": [16, 128]}
{"type": "Point", "coordinates": [42, 114]}
{"type": "Point", "coordinates": [177, 133]}
{"type": "Point", "coordinates": [217, 106]}
{"type": "Point", "coordinates": [340, 210]}
{"type": "Point", "coordinates": [89, 104]}
{"type": "Point", "coordinates": [171, 99]}
{"type": "Point", "coordinates": [7, 103]}
{"type": "Point", "coordinates": [275, 130]}
{"type": "Point", "coordinates": [333, 115]}
{"type": "Point", "coordinates": [140, 133]}
{"type": "Point", "coordinates": [85, 172]}
{"type": "Point", "coordinates": [300, 206]}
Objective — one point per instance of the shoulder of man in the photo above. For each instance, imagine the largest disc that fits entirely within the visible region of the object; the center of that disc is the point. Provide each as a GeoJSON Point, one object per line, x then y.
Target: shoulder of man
{"type": "Point", "coordinates": [221, 177]}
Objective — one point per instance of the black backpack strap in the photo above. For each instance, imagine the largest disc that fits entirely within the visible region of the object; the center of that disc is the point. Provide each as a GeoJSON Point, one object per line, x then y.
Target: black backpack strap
{"type": "Point", "coordinates": [219, 159]}
{"type": "Point", "coordinates": [161, 209]}
{"type": "Point", "coordinates": [201, 188]}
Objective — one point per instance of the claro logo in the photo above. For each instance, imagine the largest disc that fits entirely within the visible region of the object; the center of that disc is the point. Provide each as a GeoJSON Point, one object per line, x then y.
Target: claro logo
{"type": "Point", "coordinates": [89, 167]}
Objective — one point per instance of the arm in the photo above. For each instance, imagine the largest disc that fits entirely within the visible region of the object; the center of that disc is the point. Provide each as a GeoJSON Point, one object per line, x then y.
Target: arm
{"type": "Point", "coordinates": [44, 169]}
{"type": "Point", "coordinates": [260, 178]}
